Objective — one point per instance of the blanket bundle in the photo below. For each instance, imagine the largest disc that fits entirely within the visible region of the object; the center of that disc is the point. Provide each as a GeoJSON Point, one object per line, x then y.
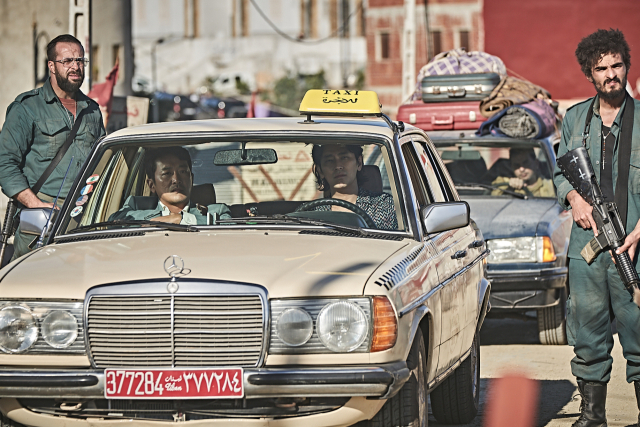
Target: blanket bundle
{"type": "Point", "coordinates": [531, 120]}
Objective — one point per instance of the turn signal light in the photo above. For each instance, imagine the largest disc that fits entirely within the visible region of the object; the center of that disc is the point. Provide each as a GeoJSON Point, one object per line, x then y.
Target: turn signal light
{"type": "Point", "coordinates": [385, 325]}
{"type": "Point", "coordinates": [548, 253]}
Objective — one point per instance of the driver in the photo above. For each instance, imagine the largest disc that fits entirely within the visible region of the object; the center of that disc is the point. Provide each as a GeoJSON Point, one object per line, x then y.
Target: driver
{"type": "Point", "coordinates": [527, 179]}
{"type": "Point", "coordinates": [169, 176]}
{"type": "Point", "coordinates": [337, 170]}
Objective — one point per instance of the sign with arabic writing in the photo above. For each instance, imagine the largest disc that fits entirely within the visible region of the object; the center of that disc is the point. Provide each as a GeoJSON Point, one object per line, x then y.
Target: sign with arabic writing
{"type": "Point", "coordinates": [343, 102]}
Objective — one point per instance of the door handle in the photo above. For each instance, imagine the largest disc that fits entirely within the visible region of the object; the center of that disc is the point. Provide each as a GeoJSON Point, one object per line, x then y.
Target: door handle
{"type": "Point", "coordinates": [459, 254]}
{"type": "Point", "coordinates": [476, 244]}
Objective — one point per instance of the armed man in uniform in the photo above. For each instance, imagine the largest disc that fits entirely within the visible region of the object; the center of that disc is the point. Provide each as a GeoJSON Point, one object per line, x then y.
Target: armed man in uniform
{"type": "Point", "coordinates": [38, 123]}
{"type": "Point", "coordinates": [612, 122]}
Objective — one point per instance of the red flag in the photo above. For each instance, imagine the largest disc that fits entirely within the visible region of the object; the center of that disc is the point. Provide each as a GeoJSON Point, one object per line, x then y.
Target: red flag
{"type": "Point", "coordinates": [252, 106]}
{"type": "Point", "coordinates": [103, 93]}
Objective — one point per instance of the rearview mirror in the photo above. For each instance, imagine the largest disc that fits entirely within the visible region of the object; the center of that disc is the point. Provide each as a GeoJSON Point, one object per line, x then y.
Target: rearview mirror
{"type": "Point", "coordinates": [460, 155]}
{"type": "Point", "coordinates": [256, 156]}
{"type": "Point", "coordinates": [33, 220]}
{"type": "Point", "coordinates": [438, 217]}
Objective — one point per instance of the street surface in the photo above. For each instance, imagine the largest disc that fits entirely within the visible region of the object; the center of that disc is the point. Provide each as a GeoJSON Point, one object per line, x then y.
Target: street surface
{"type": "Point", "coordinates": [511, 345]}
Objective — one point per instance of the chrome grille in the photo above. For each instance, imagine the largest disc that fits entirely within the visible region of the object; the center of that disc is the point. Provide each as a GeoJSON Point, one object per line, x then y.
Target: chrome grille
{"type": "Point", "coordinates": [178, 330]}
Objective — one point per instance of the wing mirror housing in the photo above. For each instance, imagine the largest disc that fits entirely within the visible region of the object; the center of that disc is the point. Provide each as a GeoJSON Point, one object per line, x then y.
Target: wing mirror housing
{"type": "Point", "coordinates": [438, 217]}
{"type": "Point", "coordinates": [34, 220]}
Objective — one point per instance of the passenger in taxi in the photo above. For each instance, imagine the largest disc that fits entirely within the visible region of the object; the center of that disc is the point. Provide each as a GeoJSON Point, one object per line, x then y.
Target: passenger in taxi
{"type": "Point", "coordinates": [338, 172]}
{"type": "Point", "coordinates": [169, 177]}
{"type": "Point", "coordinates": [527, 179]}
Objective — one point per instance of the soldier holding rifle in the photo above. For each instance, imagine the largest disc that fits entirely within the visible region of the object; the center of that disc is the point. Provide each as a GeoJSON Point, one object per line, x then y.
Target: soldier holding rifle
{"type": "Point", "coordinates": [39, 131]}
{"type": "Point", "coordinates": [608, 127]}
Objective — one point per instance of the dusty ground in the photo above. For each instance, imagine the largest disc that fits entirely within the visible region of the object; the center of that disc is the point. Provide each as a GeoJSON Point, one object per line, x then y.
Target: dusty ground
{"type": "Point", "coordinates": [512, 345]}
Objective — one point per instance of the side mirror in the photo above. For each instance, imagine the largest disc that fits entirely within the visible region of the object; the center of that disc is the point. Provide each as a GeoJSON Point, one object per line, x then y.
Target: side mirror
{"type": "Point", "coordinates": [439, 217]}
{"type": "Point", "coordinates": [34, 220]}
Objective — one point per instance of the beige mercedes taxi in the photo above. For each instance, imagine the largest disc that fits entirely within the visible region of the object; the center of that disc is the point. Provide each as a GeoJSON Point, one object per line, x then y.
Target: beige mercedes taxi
{"type": "Point", "coordinates": [249, 272]}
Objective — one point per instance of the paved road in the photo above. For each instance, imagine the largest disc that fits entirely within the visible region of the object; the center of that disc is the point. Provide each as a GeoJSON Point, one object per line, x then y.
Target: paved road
{"type": "Point", "coordinates": [511, 345]}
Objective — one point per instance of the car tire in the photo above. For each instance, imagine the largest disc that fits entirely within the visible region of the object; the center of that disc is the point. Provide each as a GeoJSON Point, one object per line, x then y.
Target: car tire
{"type": "Point", "coordinates": [457, 398]}
{"type": "Point", "coordinates": [552, 322]}
{"type": "Point", "coordinates": [6, 422]}
{"type": "Point", "coordinates": [408, 408]}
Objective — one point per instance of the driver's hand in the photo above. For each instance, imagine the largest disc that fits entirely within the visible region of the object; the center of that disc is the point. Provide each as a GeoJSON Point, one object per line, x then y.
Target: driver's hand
{"type": "Point", "coordinates": [516, 183]}
{"type": "Point", "coordinates": [171, 218]}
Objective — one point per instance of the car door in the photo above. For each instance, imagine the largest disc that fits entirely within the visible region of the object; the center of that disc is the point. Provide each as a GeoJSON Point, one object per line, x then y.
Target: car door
{"type": "Point", "coordinates": [459, 293]}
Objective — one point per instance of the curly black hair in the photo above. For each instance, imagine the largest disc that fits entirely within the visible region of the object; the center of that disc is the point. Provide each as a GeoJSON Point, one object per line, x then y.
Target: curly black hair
{"type": "Point", "coordinates": [603, 42]}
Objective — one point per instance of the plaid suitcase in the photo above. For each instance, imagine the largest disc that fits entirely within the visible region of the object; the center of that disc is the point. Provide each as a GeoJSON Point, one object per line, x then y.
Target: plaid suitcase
{"type": "Point", "coordinates": [463, 87]}
{"type": "Point", "coordinates": [442, 116]}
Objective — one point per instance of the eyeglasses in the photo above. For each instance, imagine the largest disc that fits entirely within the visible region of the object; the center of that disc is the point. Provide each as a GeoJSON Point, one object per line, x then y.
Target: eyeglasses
{"type": "Point", "coordinates": [66, 62]}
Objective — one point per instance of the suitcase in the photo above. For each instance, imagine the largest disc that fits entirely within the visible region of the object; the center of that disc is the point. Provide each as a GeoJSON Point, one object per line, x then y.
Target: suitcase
{"type": "Point", "coordinates": [461, 87]}
{"type": "Point", "coordinates": [442, 116]}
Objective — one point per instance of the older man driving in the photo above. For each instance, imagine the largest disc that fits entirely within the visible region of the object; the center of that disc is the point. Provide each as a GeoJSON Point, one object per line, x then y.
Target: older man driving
{"type": "Point", "coordinates": [169, 177]}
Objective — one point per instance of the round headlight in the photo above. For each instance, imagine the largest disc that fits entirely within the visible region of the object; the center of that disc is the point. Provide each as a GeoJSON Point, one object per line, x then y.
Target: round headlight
{"type": "Point", "coordinates": [59, 329]}
{"type": "Point", "coordinates": [294, 327]}
{"type": "Point", "coordinates": [342, 326]}
{"type": "Point", "coordinates": [18, 329]}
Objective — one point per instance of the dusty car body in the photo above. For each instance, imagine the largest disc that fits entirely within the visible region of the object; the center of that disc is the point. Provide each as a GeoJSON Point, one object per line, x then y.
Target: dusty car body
{"type": "Point", "coordinates": [269, 316]}
{"type": "Point", "coordinates": [517, 227]}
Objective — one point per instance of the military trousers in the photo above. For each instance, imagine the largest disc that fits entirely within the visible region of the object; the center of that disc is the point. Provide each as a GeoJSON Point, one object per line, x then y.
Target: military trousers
{"type": "Point", "coordinates": [596, 291]}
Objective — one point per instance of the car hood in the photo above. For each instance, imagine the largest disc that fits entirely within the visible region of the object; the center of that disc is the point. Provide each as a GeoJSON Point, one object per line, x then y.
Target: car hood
{"type": "Point", "coordinates": [287, 263]}
{"type": "Point", "coordinates": [500, 217]}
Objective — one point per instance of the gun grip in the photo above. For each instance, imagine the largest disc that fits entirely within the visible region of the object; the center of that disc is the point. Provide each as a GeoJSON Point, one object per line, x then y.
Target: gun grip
{"type": "Point", "coordinates": [591, 250]}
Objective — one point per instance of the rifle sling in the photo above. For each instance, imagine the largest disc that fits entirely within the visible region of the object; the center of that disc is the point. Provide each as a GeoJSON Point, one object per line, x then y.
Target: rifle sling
{"type": "Point", "coordinates": [624, 152]}
{"type": "Point", "coordinates": [59, 155]}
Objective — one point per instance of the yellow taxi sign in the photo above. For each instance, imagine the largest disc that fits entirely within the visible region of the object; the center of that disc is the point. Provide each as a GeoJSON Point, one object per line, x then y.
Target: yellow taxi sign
{"type": "Point", "coordinates": [343, 102]}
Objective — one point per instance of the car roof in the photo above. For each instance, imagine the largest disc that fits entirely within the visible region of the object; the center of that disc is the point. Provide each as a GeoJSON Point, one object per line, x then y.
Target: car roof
{"type": "Point", "coordinates": [372, 125]}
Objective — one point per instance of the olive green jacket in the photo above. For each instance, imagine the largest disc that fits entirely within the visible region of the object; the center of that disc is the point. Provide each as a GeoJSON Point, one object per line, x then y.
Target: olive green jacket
{"type": "Point", "coordinates": [540, 188]}
{"type": "Point", "coordinates": [148, 207]}
{"type": "Point", "coordinates": [36, 126]}
{"type": "Point", "coordinates": [572, 128]}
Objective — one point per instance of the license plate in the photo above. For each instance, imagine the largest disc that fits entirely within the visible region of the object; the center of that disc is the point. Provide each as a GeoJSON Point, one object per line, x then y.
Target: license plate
{"type": "Point", "coordinates": [218, 383]}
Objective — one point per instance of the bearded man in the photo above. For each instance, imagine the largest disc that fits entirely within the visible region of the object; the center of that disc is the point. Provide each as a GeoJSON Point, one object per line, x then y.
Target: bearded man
{"type": "Point", "coordinates": [608, 125]}
{"type": "Point", "coordinates": [38, 123]}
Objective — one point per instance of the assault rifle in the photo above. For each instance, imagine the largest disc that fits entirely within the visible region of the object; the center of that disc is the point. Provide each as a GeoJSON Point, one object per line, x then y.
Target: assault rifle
{"type": "Point", "coordinates": [576, 167]}
{"type": "Point", "coordinates": [8, 228]}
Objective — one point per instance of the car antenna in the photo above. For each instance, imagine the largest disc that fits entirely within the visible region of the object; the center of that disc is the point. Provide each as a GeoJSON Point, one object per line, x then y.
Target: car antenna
{"type": "Point", "coordinates": [40, 242]}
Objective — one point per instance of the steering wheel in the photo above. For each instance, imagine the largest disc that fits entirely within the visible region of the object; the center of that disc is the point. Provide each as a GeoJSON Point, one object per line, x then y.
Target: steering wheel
{"type": "Point", "coordinates": [307, 206]}
{"type": "Point", "coordinates": [527, 192]}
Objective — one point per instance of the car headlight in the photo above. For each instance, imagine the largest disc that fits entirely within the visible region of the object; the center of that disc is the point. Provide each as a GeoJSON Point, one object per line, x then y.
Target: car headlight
{"type": "Point", "coordinates": [18, 329]}
{"type": "Point", "coordinates": [294, 327]}
{"type": "Point", "coordinates": [521, 249]}
{"type": "Point", "coordinates": [59, 329]}
{"type": "Point", "coordinates": [342, 326]}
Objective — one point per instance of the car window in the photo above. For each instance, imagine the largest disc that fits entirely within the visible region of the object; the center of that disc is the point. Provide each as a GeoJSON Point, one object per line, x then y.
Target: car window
{"type": "Point", "coordinates": [427, 164]}
{"type": "Point", "coordinates": [225, 185]}
{"type": "Point", "coordinates": [498, 168]}
{"type": "Point", "coordinates": [416, 175]}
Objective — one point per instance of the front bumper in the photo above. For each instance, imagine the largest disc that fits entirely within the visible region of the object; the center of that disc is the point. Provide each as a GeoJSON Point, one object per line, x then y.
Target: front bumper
{"type": "Point", "coordinates": [382, 381]}
{"type": "Point", "coordinates": [525, 289]}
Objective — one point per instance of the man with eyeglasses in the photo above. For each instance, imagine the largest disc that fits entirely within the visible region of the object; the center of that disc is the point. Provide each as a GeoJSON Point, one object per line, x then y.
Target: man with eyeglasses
{"type": "Point", "coordinates": [38, 123]}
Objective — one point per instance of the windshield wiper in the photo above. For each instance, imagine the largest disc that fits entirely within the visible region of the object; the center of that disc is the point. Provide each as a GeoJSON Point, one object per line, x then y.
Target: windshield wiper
{"type": "Point", "coordinates": [285, 218]}
{"type": "Point", "coordinates": [470, 185]}
{"type": "Point", "coordinates": [125, 222]}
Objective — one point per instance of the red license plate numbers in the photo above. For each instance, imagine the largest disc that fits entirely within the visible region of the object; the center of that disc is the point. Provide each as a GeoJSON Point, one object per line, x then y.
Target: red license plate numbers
{"type": "Point", "coordinates": [173, 383]}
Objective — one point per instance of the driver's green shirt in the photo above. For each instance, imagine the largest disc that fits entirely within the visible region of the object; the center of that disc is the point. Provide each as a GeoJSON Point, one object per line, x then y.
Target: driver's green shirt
{"type": "Point", "coordinates": [540, 188]}
{"type": "Point", "coordinates": [572, 128]}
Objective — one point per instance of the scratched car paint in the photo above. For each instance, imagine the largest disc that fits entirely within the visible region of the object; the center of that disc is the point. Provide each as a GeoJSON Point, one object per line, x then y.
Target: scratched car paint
{"type": "Point", "coordinates": [314, 317]}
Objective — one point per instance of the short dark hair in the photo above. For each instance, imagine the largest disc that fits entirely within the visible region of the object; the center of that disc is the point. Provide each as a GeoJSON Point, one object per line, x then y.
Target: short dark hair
{"type": "Point", "coordinates": [154, 154]}
{"type": "Point", "coordinates": [603, 42]}
{"type": "Point", "coordinates": [316, 154]}
{"type": "Point", "coordinates": [62, 38]}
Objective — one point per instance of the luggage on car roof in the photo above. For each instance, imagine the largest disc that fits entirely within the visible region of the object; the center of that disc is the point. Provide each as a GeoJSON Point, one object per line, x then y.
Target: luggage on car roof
{"type": "Point", "coordinates": [443, 115]}
{"type": "Point", "coordinates": [461, 87]}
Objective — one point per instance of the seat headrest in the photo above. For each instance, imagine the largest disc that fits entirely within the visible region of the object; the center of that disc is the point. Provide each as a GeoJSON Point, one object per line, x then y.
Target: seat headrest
{"type": "Point", "coordinates": [203, 194]}
{"type": "Point", "coordinates": [371, 178]}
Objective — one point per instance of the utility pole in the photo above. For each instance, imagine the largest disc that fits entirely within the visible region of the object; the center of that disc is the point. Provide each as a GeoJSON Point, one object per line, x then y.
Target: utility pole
{"type": "Point", "coordinates": [409, 49]}
{"type": "Point", "coordinates": [80, 28]}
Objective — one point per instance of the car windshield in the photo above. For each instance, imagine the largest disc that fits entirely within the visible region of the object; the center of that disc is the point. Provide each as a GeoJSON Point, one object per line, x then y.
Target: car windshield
{"type": "Point", "coordinates": [232, 183]}
{"type": "Point", "coordinates": [499, 169]}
